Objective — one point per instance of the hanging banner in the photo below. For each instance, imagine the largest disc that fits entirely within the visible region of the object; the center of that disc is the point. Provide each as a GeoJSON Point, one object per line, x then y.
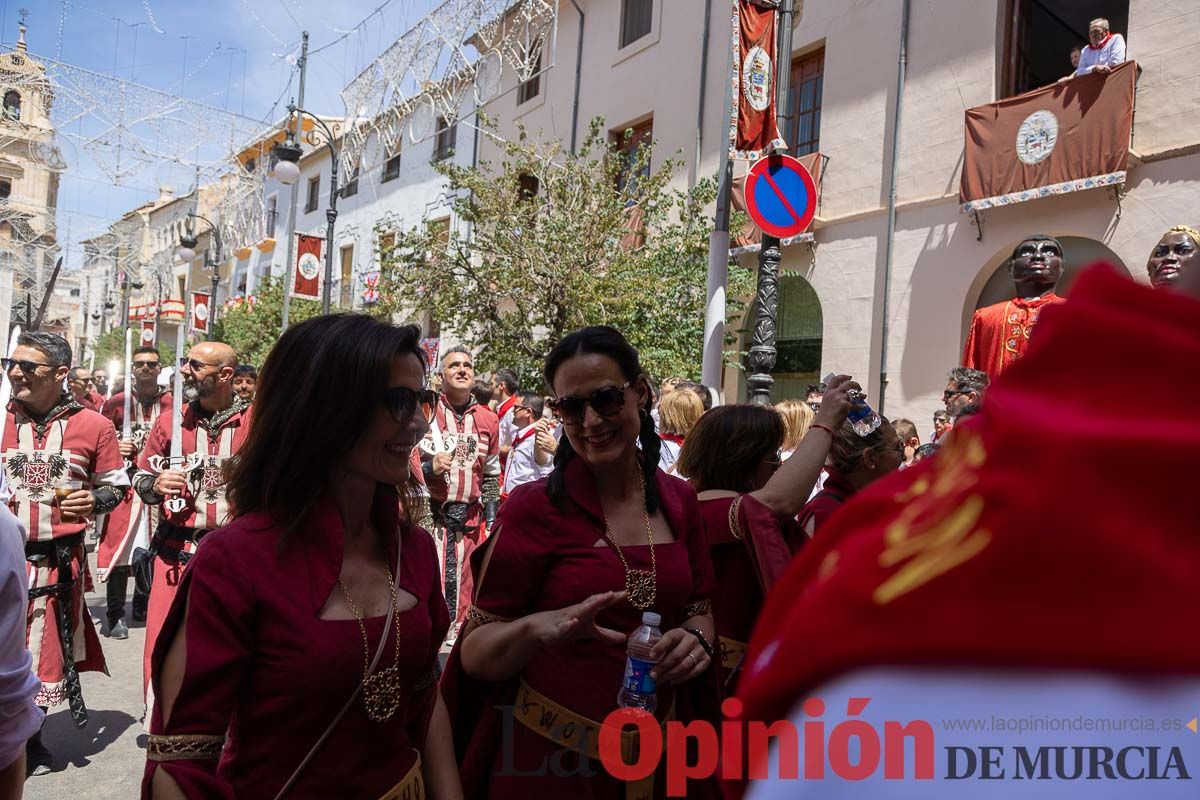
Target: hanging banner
{"type": "Point", "coordinates": [431, 347]}
{"type": "Point", "coordinates": [306, 276]}
{"type": "Point", "coordinates": [149, 337]}
{"type": "Point", "coordinates": [200, 312]}
{"type": "Point", "coordinates": [753, 130]}
{"type": "Point", "coordinates": [1065, 137]}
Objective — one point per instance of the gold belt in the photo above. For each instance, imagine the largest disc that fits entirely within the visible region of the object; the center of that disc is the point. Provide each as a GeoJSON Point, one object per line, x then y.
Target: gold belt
{"type": "Point", "coordinates": [564, 727]}
{"type": "Point", "coordinates": [732, 652]}
{"type": "Point", "coordinates": [410, 787]}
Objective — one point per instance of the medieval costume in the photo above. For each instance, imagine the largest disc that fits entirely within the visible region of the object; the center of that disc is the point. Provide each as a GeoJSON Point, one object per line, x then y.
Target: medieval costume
{"type": "Point", "coordinates": [1000, 333]}
{"type": "Point", "coordinates": [543, 558]}
{"type": "Point", "coordinates": [68, 443]}
{"type": "Point", "coordinates": [266, 675]}
{"type": "Point", "coordinates": [750, 546]}
{"type": "Point", "coordinates": [459, 495]}
{"type": "Point", "coordinates": [1021, 551]}
{"type": "Point", "coordinates": [831, 495]}
{"type": "Point", "coordinates": [129, 525]}
{"type": "Point", "coordinates": [209, 440]}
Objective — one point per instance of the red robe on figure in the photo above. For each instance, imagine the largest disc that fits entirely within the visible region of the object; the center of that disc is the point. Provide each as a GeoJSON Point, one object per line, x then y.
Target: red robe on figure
{"type": "Point", "coordinates": [1000, 333]}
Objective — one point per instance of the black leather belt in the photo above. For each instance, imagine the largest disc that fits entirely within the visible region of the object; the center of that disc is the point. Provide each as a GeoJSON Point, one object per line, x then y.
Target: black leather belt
{"type": "Point", "coordinates": [46, 550]}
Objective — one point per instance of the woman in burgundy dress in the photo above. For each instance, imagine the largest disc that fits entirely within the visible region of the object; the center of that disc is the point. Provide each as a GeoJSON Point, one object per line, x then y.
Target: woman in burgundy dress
{"type": "Point", "coordinates": [299, 658]}
{"type": "Point", "coordinates": [748, 502]}
{"type": "Point", "coordinates": [576, 559]}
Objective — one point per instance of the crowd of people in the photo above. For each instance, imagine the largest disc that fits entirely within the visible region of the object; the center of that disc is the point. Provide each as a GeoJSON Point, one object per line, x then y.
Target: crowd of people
{"type": "Point", "coordinates": [357, 585]}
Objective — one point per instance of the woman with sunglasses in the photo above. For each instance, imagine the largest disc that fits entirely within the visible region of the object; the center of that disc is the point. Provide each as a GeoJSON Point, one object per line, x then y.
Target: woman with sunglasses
{"type": "Point", "coordinates": [575, 561]}
{"type": "Point", "coordinates": [299, 656]}
{"type": "Point", "coordinates": [749, 501]}
{"type": "Point", "coordinates": [855, 463]}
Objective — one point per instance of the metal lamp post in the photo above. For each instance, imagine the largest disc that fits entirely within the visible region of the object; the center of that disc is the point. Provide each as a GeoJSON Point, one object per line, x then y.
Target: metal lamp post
{"type": "Point", "coordinates": [288, 171]}
{"type": "Point", "coordinates": [766, 298]}
{"type": "Point", "coordinates": [212, 259]}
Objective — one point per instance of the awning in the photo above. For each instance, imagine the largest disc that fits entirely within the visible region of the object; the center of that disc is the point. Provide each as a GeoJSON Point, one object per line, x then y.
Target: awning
{"type": "Point", "coordinates": [1061, 138]}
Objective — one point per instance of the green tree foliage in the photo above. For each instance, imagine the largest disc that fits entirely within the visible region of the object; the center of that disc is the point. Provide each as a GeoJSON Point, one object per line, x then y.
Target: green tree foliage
{"type": "Point", "coordinates": [552, 241]}
{"type": "Point", "coordinates": [252, 329]}
{"type": "Point", "coordinates": [111, 347]}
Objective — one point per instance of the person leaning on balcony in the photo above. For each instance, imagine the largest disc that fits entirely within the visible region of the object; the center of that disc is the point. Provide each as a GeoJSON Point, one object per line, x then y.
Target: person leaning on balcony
{"type": "Point", "coordinates": [1105, 49]}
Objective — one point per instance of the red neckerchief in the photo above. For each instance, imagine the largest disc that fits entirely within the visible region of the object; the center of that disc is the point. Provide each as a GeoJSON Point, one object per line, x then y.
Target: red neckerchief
{"type": "Point", "coordinates": [506, 406]}
{"type": "Point", "coordinates": [671, 437]}
{"type": "Point", "coordinates": [523, 436]}
{"type": "Point", "coordinates": [1102, 43]}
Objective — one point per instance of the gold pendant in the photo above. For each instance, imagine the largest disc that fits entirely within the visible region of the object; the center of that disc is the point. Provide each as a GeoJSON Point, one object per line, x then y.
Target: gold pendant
{"type": "Point", "coordinates": [640, 587]}
{"type": "Point", "coordinates": [381, 694]}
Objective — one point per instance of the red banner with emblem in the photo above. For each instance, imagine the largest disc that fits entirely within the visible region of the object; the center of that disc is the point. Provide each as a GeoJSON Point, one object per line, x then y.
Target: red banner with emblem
{"type": "Point", "coordinates": [149, 334]}
{"type": "Point", "coordinates": [306, 274]}
{"type": "Point", "coordinates": [753, 130]}
{"type": "Point", "coordinates": [201, 311]}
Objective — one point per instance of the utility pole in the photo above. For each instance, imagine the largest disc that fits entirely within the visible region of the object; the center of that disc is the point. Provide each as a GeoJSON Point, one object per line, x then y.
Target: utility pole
{"type": "Point", "coordinates": [766, 298]}
{"type": "Point", "coordinates": [291, 224]}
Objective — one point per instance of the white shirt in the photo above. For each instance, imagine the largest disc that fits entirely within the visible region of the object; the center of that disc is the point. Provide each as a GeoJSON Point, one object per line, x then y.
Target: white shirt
{"type": "Point", "coordinates": [508, 428]}
{"type": "Point", "coordinates": [1111, 54]}
{"type": "Point", "coordinates": [20, 718]}
{"type": "Point", "coordinates": [974, 708]}
{"type": "Point", "coordinates": [522, 464]}
{"type": "Point", "coordinates": [668, 454]}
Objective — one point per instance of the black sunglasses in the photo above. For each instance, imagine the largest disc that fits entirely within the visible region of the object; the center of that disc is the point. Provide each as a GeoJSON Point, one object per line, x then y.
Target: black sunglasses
{"type": "Point", "coordinates": [946, 395]}
{"type": "Point", "coordinates": [402, 403]}
{"type": "Point", "coordinates": [27, 367]}
{"type": "Point", "coordinates": [146, 365]}
{"type": "Point", "coordinates": [195, 364]}
{"type": "Point", "coordinates": [606, 402]}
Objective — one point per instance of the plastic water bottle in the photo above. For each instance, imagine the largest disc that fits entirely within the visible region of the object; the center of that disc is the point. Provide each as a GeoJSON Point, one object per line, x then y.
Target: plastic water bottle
{"type": "Point", "coordinates": [638, 689]}
{"type": "Point", "coordinates": [862, 417]}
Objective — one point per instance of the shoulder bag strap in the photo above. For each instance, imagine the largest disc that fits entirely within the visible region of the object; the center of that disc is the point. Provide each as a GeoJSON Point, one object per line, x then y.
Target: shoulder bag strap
{"type": "Point", "coordinates": [387, 626]}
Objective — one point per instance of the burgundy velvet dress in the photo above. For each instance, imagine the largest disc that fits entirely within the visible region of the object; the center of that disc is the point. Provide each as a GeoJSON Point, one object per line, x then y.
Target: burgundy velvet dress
{"type": "Point", "coordinates": [546, 558]}
{"type": "Point", "coordinates": [751, 547]}
{"type": "Point", "coordinates": [265, 671]}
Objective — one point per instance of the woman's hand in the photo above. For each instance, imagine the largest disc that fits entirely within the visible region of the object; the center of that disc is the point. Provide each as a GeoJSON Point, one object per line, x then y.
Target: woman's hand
{"type": "Point", "coordinates": [836, 402]}
{"type": "Point", "coordinates": [680, 657]}
{"type": "Point", "coordinates": [575, 622]}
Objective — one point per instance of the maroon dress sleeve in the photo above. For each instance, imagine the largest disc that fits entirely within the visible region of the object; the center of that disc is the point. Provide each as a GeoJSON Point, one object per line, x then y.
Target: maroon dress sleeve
{"type": "Point", "coordinates": [219, 601]}
{"type": "Point", "coordinates": [420, 544]}
{"type": "Point", "coordinates": [703, 577]}
{"type": "Point", "coordinates": [519, 555]}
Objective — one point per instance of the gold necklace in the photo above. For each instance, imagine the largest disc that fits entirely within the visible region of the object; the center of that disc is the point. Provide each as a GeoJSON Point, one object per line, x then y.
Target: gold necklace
{"type": "Point", "coordinates": [641, 585]}
{"type": "Point", "coordinates": [381, 690]}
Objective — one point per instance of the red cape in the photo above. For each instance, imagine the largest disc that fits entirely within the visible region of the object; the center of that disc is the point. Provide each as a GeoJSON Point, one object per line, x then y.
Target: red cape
{"type": "Point", "coordinates": [1054, 530]}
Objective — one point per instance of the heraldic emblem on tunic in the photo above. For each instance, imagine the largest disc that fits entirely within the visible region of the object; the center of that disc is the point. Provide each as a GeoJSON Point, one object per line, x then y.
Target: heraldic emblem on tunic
{"type": "Point", "coordinates": [33, 474]}
{"type": "Point", "coordinates": [207, 479]}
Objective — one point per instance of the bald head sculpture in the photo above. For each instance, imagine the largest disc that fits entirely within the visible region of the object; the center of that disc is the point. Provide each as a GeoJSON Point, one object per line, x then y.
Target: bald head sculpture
{"type": "Point", "coordinates": [208, 375]}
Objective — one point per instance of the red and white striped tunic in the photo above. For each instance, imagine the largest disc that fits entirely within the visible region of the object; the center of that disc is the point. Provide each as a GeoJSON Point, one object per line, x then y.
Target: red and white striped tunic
{"type": "Point", "coordinates": [473, 440]}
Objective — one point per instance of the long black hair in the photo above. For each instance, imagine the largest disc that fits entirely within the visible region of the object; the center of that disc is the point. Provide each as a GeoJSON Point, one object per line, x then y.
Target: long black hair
{"type": "Point", "coordinates": [606, 341]}
{"type": "Point", "coordinates": [316, 395]}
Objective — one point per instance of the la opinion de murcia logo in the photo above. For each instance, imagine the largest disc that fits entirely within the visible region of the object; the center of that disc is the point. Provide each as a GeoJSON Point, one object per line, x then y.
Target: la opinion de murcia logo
{"type": "Point", "coordinates": [1037, 136]}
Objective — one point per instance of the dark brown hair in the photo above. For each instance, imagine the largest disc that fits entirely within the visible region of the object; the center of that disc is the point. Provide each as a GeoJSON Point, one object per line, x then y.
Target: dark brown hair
{"type": "Point", "coordinates": [316, 394]}
{"type": "Point", "coordinates": [726, 446]}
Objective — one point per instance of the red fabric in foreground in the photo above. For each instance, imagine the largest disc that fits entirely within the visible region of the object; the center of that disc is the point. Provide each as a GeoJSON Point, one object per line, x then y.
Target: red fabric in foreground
{"type": "Point", "coordinates": [1056, 529]}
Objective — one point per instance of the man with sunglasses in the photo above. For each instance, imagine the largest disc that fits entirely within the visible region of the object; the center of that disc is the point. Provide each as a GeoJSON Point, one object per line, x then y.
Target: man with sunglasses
{"type": "Point", "coordinates": [532, 453]}
{"type": "Point", "coordinates": [461, 464]}
{"type": "Point", "coordinates": [80, 382]}
{"type": "Point", "coordinates": [1000, 332]}
{"type": "Point", "coordinates": [130, 524]}
{"type": "Point", "coordinates": [190, 496]}
{"type": "Point", "coordinates": [964, 390]}
{"type": "Point", "coordinates": [63, 466]}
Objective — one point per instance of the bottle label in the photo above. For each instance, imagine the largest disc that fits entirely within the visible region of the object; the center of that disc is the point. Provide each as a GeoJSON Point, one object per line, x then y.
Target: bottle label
{"type": "Point", "coordinates": [637, 676]}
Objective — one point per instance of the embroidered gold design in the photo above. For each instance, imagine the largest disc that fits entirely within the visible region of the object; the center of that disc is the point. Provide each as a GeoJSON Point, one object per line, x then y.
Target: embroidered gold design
{"type": "Point", "coordinates": [697, 608]}
{"type": "Point", "coordinates": [480, 617]}
{"type": "Point", "coordinates": [933, 534]}
{"type": "Point", "coordinates": [180, 747]}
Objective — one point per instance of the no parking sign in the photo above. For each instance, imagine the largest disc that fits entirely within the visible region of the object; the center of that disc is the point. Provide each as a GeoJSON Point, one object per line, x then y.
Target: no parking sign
{"type": "Point", "coordinates": [781, 196]}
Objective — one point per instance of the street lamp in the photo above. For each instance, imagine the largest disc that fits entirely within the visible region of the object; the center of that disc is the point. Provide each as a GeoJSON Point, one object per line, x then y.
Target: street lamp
{"type": "Point", "coordinates": [287, 170]}
{"type": "Point", "coordinates": [213, 256]}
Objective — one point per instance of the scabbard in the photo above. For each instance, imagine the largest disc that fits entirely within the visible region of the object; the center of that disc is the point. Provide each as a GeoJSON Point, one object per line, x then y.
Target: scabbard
{"type": "Point", "coordinates": [64, 590]}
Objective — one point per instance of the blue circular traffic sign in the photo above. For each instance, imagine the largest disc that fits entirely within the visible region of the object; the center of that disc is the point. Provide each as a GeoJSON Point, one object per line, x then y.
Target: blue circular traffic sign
{"type": "Point", "coordinates": [781, 196]}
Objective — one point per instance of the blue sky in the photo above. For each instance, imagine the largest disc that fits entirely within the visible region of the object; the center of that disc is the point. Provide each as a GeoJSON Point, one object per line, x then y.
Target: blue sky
{"type": "Point", "coordinates": [236, 55]}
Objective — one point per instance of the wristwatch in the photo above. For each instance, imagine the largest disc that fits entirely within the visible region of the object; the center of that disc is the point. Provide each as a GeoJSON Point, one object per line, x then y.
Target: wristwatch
{"type": "Point", "coordinates": [704, 643]}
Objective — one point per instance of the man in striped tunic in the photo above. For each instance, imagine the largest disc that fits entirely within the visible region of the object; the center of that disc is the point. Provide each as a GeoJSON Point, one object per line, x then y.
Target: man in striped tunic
{"type": "Point", "coordinates": [63, 466]}
{"type": "Point", "coordinates": [461, 463]}
{"type": "Point", "coordinates": [191, 495]}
